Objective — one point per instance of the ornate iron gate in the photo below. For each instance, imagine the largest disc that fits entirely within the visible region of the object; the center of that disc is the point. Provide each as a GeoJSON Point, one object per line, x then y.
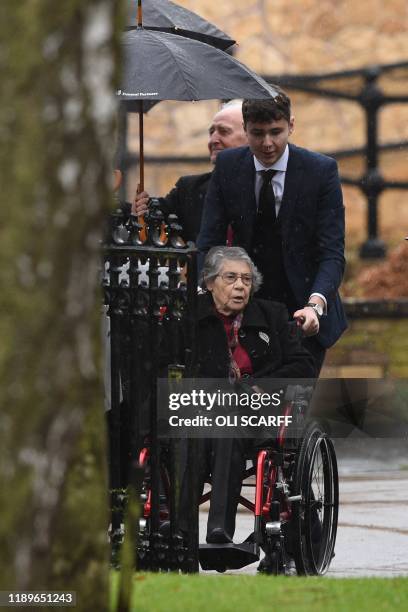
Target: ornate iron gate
{"type": "Point", "coordinates": [150, 290]}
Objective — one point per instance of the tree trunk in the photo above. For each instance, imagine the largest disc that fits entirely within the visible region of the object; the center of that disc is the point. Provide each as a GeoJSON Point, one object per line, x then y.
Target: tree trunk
{"type": "Point", "coordinates": [57, 113]}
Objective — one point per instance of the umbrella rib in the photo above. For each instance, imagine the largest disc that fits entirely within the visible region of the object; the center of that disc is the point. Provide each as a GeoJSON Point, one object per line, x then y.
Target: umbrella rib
{"type": "Point", "coordinates": [164, 43]}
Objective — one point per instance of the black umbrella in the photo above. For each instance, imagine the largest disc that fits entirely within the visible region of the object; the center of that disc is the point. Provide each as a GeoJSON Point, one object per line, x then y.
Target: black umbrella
{"type": "Point", "coordinates": [166, 16]}
{"type": "Point", "coordinates": [161, 66]}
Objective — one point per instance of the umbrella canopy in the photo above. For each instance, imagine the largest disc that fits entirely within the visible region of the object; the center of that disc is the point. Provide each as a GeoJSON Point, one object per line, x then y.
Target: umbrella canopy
{"type": "Point", "coordinates": [168, 17]}
{"type": "Point", "coordinates": [161, 66]}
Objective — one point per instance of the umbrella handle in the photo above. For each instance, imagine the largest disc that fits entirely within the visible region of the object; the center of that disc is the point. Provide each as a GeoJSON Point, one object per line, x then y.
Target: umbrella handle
{"type": "Point", "coordinates": [140, 187]}
{"type": "Point", "coordinates": [143, 231]}
{"type": "Point", "coordinates": [142, 222]}
{"type": "Point", "coordinates": [141, 149]}
{"type": "Point", "coordinates": [139, 13]}
{"type": "Point", "coordinates": [141, 219]}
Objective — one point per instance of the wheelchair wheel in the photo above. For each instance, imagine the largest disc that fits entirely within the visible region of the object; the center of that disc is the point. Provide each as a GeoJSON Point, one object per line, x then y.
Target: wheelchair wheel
{"type": "Point", "coordinates": [314, 518]}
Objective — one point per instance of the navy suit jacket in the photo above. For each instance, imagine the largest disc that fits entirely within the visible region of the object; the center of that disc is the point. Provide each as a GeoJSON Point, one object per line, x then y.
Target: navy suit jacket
{"type": "Point", "coordinates": [312, 217]}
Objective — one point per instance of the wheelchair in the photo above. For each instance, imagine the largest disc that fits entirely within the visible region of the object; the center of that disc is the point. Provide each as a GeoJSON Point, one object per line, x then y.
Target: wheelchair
{"type": "Point", "coordinates": [295, 502]}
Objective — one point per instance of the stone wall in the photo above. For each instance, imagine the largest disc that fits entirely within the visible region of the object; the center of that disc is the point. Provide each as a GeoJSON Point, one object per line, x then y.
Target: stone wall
{"type": "Point", "coordinates": [370, 348]}
{"type": "Point", "coordinates": [300, 37]}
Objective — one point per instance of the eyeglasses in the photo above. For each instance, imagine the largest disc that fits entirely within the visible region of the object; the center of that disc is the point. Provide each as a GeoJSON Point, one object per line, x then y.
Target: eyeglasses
{"type": "Point", "coordinates": [230, 278]}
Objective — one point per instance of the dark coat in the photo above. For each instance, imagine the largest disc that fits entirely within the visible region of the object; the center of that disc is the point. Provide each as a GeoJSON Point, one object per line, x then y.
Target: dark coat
{"type": "Point", "coordinates": [186, 200]}
{"type": "Point", "coordinates": [312, 214]}
{"type": "Point", "coordinates": [282, 357]}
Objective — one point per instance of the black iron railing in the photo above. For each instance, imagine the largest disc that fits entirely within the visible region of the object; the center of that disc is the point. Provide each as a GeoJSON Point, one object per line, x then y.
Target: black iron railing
{"type": "Point", "coordinates": [150, 288]}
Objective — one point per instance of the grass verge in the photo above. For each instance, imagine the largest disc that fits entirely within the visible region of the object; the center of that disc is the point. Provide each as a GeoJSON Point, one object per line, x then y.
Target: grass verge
{"type": "Point", "coordinates": [240, 593]}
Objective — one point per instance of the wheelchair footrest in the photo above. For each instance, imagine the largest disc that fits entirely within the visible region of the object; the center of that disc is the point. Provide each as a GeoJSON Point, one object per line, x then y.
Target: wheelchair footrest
{"type": "Point", "coordinates": [227, 556]}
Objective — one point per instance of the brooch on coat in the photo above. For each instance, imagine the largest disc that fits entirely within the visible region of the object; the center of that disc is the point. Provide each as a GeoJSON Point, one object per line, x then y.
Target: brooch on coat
{"type": "Point", "coordinates": [264, 337]}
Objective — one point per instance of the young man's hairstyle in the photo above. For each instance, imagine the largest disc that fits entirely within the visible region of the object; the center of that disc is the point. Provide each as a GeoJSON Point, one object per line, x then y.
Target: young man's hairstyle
{"type": "Point", "coordinates": [264, 111]}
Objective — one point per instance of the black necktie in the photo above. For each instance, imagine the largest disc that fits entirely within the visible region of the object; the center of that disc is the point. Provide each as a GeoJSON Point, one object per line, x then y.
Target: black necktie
{"type": "Point", "coordinates": [266, 205]}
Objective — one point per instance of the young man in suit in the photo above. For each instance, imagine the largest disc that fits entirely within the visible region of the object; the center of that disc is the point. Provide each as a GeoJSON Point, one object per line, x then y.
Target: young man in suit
{"type": "Point", "coordinates": [186, 199]}
{"type": "Point", "coordinates": [285, 206]}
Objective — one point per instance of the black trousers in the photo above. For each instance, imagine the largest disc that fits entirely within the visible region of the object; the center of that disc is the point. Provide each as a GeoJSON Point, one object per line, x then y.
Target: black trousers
{"type": "Point", "coordinates": [225, 461]}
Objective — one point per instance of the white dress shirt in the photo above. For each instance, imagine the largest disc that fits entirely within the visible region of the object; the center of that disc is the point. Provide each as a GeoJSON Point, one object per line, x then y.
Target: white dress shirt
{"type": "Point", "coordinates": [278, 186]}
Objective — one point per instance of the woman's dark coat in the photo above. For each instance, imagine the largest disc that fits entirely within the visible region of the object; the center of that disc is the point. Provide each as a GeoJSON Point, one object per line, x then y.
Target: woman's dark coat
{"type": "Point", "coordinates": [274, 351]}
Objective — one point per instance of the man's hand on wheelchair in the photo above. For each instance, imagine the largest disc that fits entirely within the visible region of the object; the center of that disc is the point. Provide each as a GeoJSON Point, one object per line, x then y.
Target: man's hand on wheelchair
{"type": "Point", "coordinates": [307, 320]}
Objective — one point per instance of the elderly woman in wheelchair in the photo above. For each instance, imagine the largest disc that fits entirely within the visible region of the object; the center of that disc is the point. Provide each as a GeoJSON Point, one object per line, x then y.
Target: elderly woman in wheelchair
{"type": "Point", "coordinates": [245, 340]}
{"type": "Point", "coordinates": [249, 343]}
